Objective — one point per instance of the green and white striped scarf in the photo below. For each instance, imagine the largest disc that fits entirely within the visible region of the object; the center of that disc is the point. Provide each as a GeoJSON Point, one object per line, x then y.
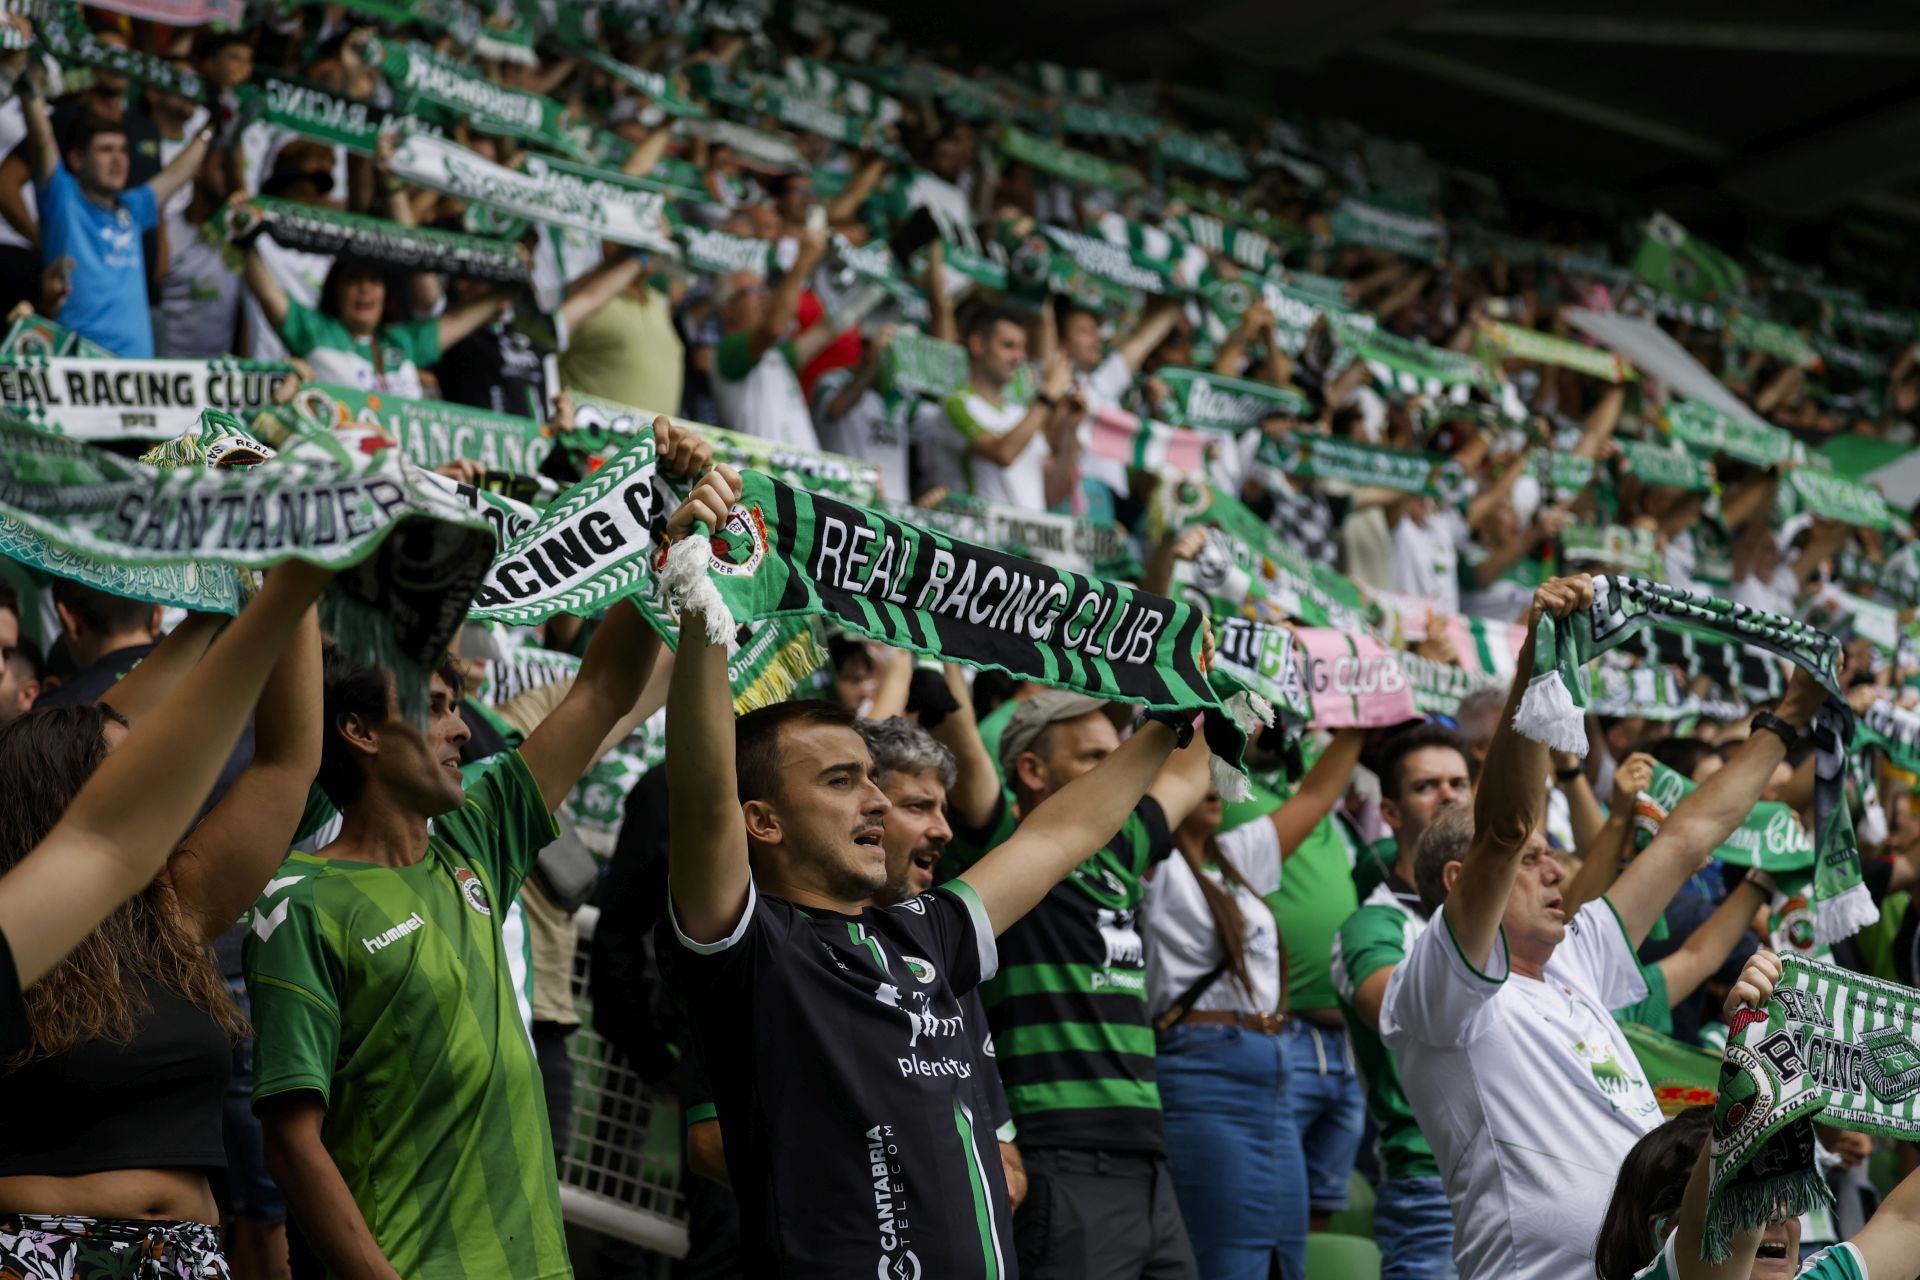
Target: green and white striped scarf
{"type": "Point", "coordinates": [1247, 568]}
{"type": "Point", "coordinates": [35, 337]}
{"type": "Point", "coordinates": [1771, 338]}
{"type": "Point", "coordinates": [1829, 1043]}
{"type": "Point", "coordinates": [1439, 687]}
{"type": "Point", "coordinates": [396, 600]}
{"type": "Point", "coordinates": [1897, 577]}
{"type": "Point", "coordinates": [784, 552]}
{"type": "Point", "coordinates": [1553, 709]}
{"type": "Point", "coordinates": [431, 433]}
{"type": "Point", "coordinates": [1265, 659]}
{"type": "Point", "coordinates": [1405, 367]}
{"type": "Point", "coordinates": [1375, 226]}
{"type": "Point", "coordinates": [1403, 470]}
{"type": "Point", "coordinates": [63, 32]}
{"type": "Point", "coordinates": [1241, 245]}
{"type": "Point", "coordinates": [1836, 497]}
{"type": "Point", "coordinates": [1215, 402]}
{"type": "Point", "coordinates": [422, 78]}
{"type": "Point", "coordinates": [1202, 155]}
{"type": "Point", "coordinates": [1510, 342]}
{"type": "Point", "coordinates": [311, 111]}
{"type": "Point", "coordinates": [1707, 431]}
{"type": "Point", "coordinates": [1066, 162]}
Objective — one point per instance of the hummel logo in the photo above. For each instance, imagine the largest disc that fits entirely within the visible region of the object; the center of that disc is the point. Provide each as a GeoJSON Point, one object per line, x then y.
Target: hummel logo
{"type": "Point", "coordinates": [275, 886]}
{"type": "Point", "coordinates": [379, 941]}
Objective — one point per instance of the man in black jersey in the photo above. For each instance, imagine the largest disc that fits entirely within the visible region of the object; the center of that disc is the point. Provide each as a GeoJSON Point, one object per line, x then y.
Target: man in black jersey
{"type": "Point", "coordinates": [832, 1031]}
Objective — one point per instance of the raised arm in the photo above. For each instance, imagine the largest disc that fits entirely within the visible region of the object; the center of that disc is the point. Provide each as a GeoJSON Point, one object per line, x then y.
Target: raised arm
{"type": "Point", "coordinates": [1700, 823]}
{"type": "Point", "coordinates": [266, 290]}
{"type": "Point", "coordinates": [456, 323]}
{"type": "Point", "coordinates": [1002, 449]}
{"type": "Point", "coordinates": [43, 152]}
{"type": "Point", "coordinates": [1511, 801]}
{"type": "Point", "coordinates": [221, 865]}
{"type": "Point", "coordinates": [706, 838]}
{"type": "Point", "coordinates": [1319, 791]}
{"type": "Point", "coordinates": [624, 647]}
{"type": "Point", "coordinates": [117, 833]}
{"type": "Point", "coordinates": [845, 205]}
{"type": "Point", "coordinates": [1152, 330]}
{"type": "Point", "coordinates": [1605, 854]}
{"type": "Point", "coordinates": [179, 171]}
{"type": "Point", "coordinates": [158, 674]}
{"type": "Point", "coordinates": [1061, 833]}
{"type": "Point", "coordinates": [1708, 946]}
{"type": "Point", "coordinates": [599, 287]}
{"type": "Point", "coordinates": [781, 307]}
{"type": "Point", "coordinates": [977, 788]}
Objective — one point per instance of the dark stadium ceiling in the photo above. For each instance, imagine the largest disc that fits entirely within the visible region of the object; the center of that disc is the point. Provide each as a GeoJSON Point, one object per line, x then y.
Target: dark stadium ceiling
{"type": "Point", "coordinates": [1779, 107]}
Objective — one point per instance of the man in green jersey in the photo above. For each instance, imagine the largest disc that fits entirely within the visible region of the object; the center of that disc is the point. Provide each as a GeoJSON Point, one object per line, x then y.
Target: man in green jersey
{"type": "Point", "coordinates": [396, 1085]}
{"type": "Point", "coordinates": [1423, 773]}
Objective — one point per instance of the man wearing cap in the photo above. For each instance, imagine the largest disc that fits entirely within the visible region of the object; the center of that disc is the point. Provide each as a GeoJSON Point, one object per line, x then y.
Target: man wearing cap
{"type": "Point", "coordinates": [1069, 1015]}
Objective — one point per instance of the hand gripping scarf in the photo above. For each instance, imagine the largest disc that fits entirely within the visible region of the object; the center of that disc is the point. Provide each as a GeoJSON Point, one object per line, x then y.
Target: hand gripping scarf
{"type": "Point", "coordinates": [407, 559]}
{"type": "Point", "coordinates": [1556, 699]}
{"type": "Point", "coordinates": [592, 547]}
{"type": "Point", "coordinates": [1830, 1042]}
{"type": "Point", "coordinates": [1771, 839]}
{"type": "Point", "coordinates": [786, 552]}
{"type": "Point", "coordinates": [1403, 470]}
{"type": "Point", "coordinates": [317, 229]}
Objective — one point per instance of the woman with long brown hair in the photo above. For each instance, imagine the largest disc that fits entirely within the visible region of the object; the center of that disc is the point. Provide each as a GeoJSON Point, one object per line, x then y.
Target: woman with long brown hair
{"type": "Point", "coordinates": [1215, 991]}
{"type": "Point", "coordinates": [114, 1078]}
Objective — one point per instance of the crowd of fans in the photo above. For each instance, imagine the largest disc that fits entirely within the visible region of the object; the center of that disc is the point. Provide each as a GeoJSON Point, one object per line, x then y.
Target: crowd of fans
{"type": "Point", "coordinates": [951, 974]}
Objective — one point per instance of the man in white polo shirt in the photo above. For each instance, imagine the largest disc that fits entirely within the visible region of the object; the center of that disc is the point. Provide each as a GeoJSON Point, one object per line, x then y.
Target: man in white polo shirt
{"type": "Point", "coordinates": [1519, 1077]}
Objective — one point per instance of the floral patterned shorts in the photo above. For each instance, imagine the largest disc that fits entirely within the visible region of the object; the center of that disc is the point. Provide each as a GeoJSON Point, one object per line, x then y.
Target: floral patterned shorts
{"type": "Point", "coordinates": [38, 1246]}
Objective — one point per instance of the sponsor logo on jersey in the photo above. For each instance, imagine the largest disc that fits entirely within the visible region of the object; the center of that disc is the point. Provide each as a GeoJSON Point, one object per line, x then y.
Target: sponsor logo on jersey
{"type": "Point", "coordinates": [897, 1260]}
{"type": "Point", "coordinates": [923, 971]}
{"type": "Point", "coordinates": [473, 891]}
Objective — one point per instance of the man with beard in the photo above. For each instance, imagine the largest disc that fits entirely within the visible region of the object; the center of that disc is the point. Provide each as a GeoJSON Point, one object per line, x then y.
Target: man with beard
{"type": "Point", "coordinates": [916, 773]}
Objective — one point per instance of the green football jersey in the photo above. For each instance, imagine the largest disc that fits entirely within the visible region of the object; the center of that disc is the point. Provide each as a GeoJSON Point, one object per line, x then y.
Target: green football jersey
{"type": "Point", "coordinates": [1375, 937]}
{"type": "Point", "coordinates": [387, 991]}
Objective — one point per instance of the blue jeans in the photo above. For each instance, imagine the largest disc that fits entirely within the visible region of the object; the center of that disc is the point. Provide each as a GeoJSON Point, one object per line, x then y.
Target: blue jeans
{"type": "Point", "coordinates": [1233, 1151]}
{"type": "Point", "coordinates": [1413, 1225]}
{"type": "Point", "coordinates": [1329, 1107]}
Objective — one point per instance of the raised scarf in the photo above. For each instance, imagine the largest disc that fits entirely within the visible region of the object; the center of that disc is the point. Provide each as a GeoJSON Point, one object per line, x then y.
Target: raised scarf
{"type": "Point", "coordinates": [922, 366]}
{"type": "Point", "coordinates": [64, 33]}
{"type": "Point", "coordinates": [1219, 403]}
{"type": "Point", "coordinates": [290, 103]}
{"type": "Point", "coordinates": [1266, 659]}
{"type": "Point", "coordinates": [1354, 680]}
{"type": "Point", "coordinates": [1829, 1043]}
{"type": "Point", "coordinates": [430, 433]}
{"type": "Point", "coordinates": [1837, 497]}
{"type": "Point", "coordinates": [1374, 466]}
{"type": "Point", "coordinates": [396, 600]}
{"type": "Point", "coordinates": [1073, 543]}
{"type": "Point", "coordinates": [317, 229]}
{"type": "Point", "coordinates": [35, 337]}
{"type": "Point", "coordinates": [599, 202]}
{"type": "Point", "coordinates": [1065, 162]}
{"type": "Point", "coordinates": [1896, 577]}
{"type": "Point", "coordinates": [1497, 341]}
{"type": "Point", "coordinates": [787, 552]}
{"type": "Point", "coordinates": [422, 77]}
{"type": "Point", "coordinates": [1663, 464]}
{"type": "Point", "coordinates": [121, 399]}
{"type": "Point", "coordinates": [1707, 431]}
{"type": "Point", "coordinates": [1143, 444]}
{"type": "Point", "coordinates": [1248, 569]}
{"type": "Point", "coordinates": [1633, 551]}
{"type": "Point", "coordinates": [1202, 155]}
{"type": "Point", "coordinates": [1771, 838]}
{"type": "Point", "coordinates": [1363, 223]}
{"type": "Point", "coordinates": [1554, 707]}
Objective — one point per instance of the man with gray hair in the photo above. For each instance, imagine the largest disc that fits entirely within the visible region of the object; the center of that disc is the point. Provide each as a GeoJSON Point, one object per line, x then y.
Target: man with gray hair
{"type": "Point", "coordinates": [1499, 1017]}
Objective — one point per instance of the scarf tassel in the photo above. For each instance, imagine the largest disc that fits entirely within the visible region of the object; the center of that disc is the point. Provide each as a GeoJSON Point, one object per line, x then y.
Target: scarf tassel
{"type": "Point", "coordinates": [786, 667]}
{"type": "Point", "coordinates": [1747, 1206]}
{"type": "Point", "coordinates": [368, 634]}
{"type": "Point", "coordinates": [685, 577]}
{"type": "Point", "coordinates": [1548, 715]}
{"type": "Point", "coordinates": [1842, 916]}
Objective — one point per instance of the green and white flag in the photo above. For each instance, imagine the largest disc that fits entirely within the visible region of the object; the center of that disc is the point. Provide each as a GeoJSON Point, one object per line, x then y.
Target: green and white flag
{"type": "Point", "coordinates": [117, 399]}
{"type": "Point", "coordinates": [1552, 710]}
{"type": "Point", "coordinates": [1675, 261]}
{"type": "Point", "coordinates": [1375, 226]}
{"type": "Point", "coordinates": [319, 229]}
{"type": "Point", "coordinates": [421, 76]}
{"type": "Point", "coordinates": [1065, 162]}
{"type": "Point", "coordinates": [923, 366]}
{"type": "Point", "coordinates": [1216, 402]}
{"type": "Point", "coordinates": [546, 189]}
{"type": "Point", "coordinates": [1509, 342]}
{"type": "Point", "coordinates": [1663, 464]}
{"type": "Point", "coordinates": [1829, 1043]}
{"type": "Point", "coordinates": [1837, 497]}
{"type": "Point", "coordinates": [1404, 470]}
{"type": "Point", "coordinates": [397, 600]}
{"type": "Point", "coordinates": [1707, 431]}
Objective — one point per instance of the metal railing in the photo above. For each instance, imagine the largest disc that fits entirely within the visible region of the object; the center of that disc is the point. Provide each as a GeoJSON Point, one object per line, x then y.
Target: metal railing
{"type": "Point", "coordinates": [621, 1175]}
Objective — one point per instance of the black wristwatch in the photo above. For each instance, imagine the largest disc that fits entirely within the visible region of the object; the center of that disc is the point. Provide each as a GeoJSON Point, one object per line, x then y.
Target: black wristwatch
{"type": "Point", "coordinates": [1568, 775]}
{"type": "Point", "coordinates": [1768, 722]}
{"type": "Point", "coordinates": [1181, 722]}
{"type": "Point", "coordinates": [1051, 402]}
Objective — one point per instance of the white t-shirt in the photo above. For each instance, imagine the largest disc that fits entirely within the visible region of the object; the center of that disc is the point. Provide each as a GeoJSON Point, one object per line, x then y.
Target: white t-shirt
{"type": "Point", "coordinates": [1183, 943]}
{"type": "Point", "coordinates": [1023, 482]}
{"type": "Point", "coordinates": [766, 399]}
{"type": "Point", "coordinates": [1426, 561]}
{"type": "Point", "coordinates": [13, 132]}
{"type": "Point", "coordinates": [1777, 594]}
{"type": "Point", "coordinates": [1528, 1090]}
{"type": "Point", "coordinates": [875, 430]}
